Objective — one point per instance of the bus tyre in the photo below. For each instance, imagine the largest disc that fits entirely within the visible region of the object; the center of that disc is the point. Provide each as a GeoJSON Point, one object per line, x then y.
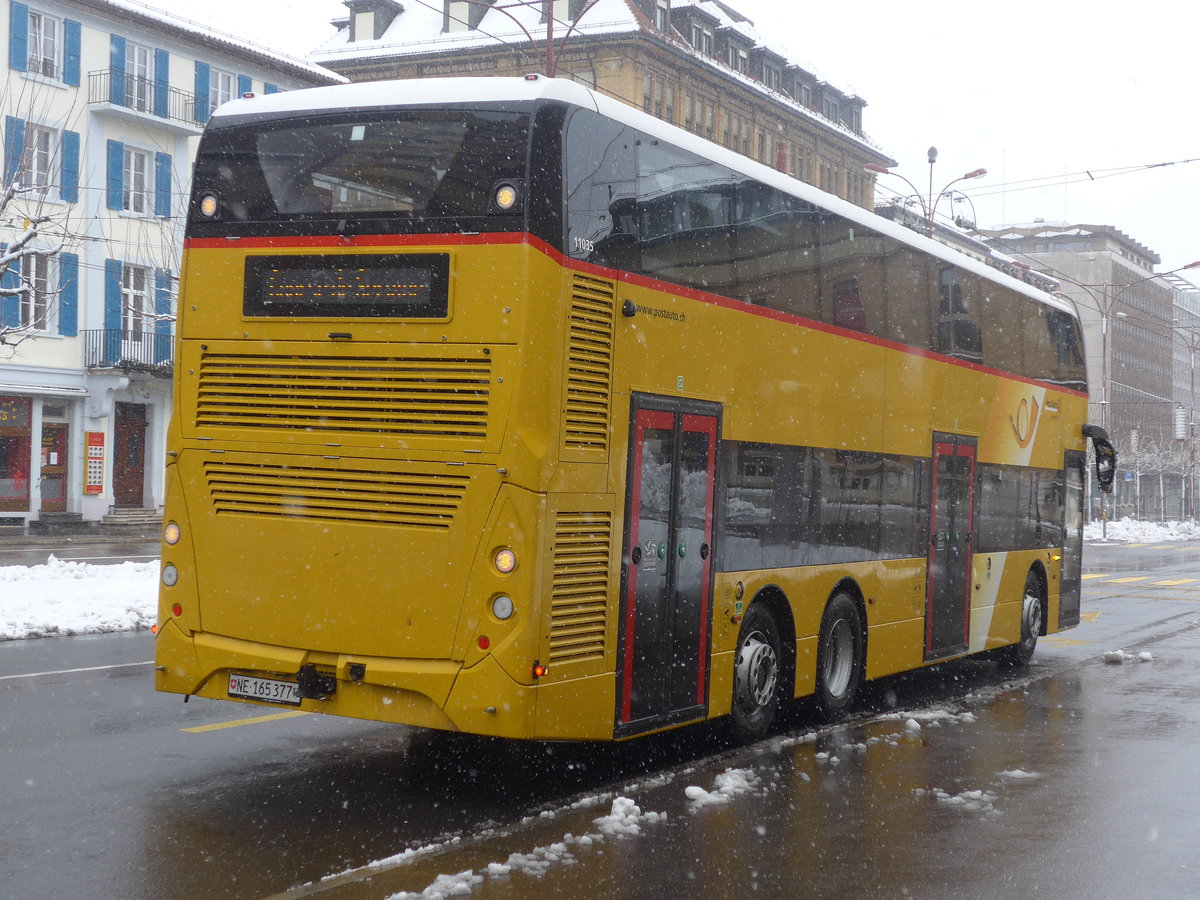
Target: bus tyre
{"type": "Point", "coordinates": [756, 675]}
{"type": "Point", "coordinates": [1033, 610]}
{"type": "Point", "coordinates": [841, 652]}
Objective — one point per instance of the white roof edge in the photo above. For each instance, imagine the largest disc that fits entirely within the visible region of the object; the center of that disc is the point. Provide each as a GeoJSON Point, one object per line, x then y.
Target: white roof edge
{"type": "Point", "coordinates": [439, 91]}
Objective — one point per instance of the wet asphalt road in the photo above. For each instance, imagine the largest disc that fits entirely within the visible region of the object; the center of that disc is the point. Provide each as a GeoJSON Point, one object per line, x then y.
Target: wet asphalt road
{"type": "Point", "coordinates": [1073, 778]}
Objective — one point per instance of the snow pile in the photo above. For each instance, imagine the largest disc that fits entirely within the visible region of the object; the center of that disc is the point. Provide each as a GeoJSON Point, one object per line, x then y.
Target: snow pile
{"type": "Point", "coordinates": [729, 784]}
{"type": "Point", "coordinates": [625, 819]}
{"type": "Point", "coordinates": [972, 801]}
{"type": "Point", "coordinates": [1118, 657]}
{"type": "Point", "coordinates": [63, 598]}
{"type": "Point", "coordinates": [1131, 531]}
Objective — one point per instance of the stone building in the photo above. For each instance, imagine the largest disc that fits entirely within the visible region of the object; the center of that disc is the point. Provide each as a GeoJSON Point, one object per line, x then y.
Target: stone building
{"type": "Point", "coordinates": [699, 64]}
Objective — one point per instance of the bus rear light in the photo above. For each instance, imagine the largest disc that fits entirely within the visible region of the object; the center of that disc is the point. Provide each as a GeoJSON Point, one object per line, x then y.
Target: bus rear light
{"type": "Point", "coordinates": [177, 610]}
{"type": "Point", "coordinates": [484, 642]}
{"type": "Point", "coordinates": [209, 205]}
{"type": "Point", "coordinates": [540, 671]}
{"type": "Point", "coordinates": [505, 560]}
{"type": "Point", "coordinates": [170, 575]}
{"type": "Point", "coordinates": [502, 607]}
{"type": "Point", "coordinates": [171, 533]}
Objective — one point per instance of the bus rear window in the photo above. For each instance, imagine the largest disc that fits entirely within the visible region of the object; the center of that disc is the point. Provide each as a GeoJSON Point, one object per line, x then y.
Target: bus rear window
{"type": "Point", "coordinates": [412, 164]}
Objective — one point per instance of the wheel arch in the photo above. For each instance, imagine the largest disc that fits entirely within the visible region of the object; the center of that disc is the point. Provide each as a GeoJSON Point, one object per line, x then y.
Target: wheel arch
{"type": "Point", "coordinates": [1038, 570]}
{"type": "Point", "coordinates": [780, 607]}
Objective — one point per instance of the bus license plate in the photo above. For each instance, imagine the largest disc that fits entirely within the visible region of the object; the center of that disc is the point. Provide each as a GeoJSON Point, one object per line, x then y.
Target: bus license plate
{"type": "Point", "coordinates": [265, 690]}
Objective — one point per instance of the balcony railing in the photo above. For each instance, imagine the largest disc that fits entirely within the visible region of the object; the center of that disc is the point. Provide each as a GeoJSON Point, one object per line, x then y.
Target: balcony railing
{"type": "Point", "coordinates": [131, 351]}
{"type": "Point", "coordinates": [144, 95]}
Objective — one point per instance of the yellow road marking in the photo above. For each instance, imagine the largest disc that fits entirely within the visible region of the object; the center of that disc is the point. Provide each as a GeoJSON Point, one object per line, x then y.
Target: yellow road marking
{"type": "Point", "coordinates": [1176, 581]}
{"type": "Point", "coordinates": [1129, 580]}
{"type": "Point", "coordinates": [1055, 641]}
{"type": "Point", "coordinates": [1095, 575]}
{"type": "Point", "coordinates": [1090, 616]}
{"type": "Point", "coordinates": [254, 720]}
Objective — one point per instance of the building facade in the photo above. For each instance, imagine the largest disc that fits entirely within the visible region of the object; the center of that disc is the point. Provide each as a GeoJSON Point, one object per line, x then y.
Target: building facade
{"type": "Point", "coordinates": [699, 64]}
{"type": "Point", "coordinates": [1130, 317]}
{"type": "Point", "coordinates": [103, 104]}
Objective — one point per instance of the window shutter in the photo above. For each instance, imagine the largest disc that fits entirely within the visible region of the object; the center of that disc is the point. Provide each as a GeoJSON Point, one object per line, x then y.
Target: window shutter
{"type": "Point", "coordinates": [162, 307]}
{"type": "Point", "coordinates": [10, 303]}
{"type": "Point", "coordinates": [269, 88]}
{"type": "Point", "coordinates": [203, 87]}
{"type": "Point", "coordinates": [73, 39]}
{"type": "Point", "coordinates": [68, 296]}
{"type": "Point", "coordinates": [162, 83]}
{"type": "Point", "coordinates": [112, 311]}
{"type": "Point", "coordinates": [162, 184]}
{"type": "Point", "coordinates": [245, 85]}
{"type": "Point", "coordinates": [69, 186]}
{"type": "Point", "coordinates": [18, 37]}
{"type": "Point", "coordinates": [116, 175]}
{"type": "Point", "coordinates": [116, 72]}
{"type": "Point", "coordinates": [14, 147]}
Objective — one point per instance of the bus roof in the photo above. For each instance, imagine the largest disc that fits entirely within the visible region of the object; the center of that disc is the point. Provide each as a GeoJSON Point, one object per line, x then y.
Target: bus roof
{"type": "Point", "coordinates": [443, 91]}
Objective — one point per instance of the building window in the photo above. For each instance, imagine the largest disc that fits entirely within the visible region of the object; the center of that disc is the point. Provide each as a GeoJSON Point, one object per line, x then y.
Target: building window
{"type": "Point", "coordinates": [45, 44]}
{"type": "Point", "coordinates": [36, 298]}
{"type": "Point", "coordinates": [139, 78]}
{"type": "Point", "coordinates": [223, 86]}
{"type": "Point", "coordinates": [38, 158]}
{"type": "Point", "coordinates": [662, 15]}
{"type": "Point", "coordinates": [772, 77]}
{"type": "Point", "coordinates": [739, 59]}
{"type": "Point", "coordinates": [135, 300]}
{"type": "Point", "coordinates": [702, 39]}
{"type": "Point", "coordinates": [829, 109]}
{"type": "Point", "coordinates": [136, 193]}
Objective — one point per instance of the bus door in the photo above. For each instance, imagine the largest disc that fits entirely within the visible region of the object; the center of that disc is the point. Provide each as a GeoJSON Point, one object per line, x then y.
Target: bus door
{"type": "Point", "coordinates": [952, 521]}
{"type": "Point", "coordinates": [667, 564]}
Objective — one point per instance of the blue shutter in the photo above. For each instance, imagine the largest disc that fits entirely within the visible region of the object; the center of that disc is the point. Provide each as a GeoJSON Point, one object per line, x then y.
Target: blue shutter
{"type": "Point", "coordinates": [162, 184]}
{"type": "Point", "coordinates": [269, 88]}
{"type": "Point", "coordinates": [117, 71]}
{"type": "Point", "coordinates": [73, 38]}
{"type": "Point", "coordinates": [162, 307]}
{"type": "Point", "coordinates": [245, 85]}
{"type": "Point", "coordinates": [14, 147]}
{"type": "Point", "coordinates": [203, 87]}
{"type": "Point", "coordinates": [162, 91]}
{"type": "Point", "coordinates": [69, 184]}
{"type": "Point", "coordinates": [112, 311]}
{"type": "Point", "coordinates": [18, 37]}
{"type": "Point", "coordinates": [116, 175]}
{"type": "Point", "coordinates": [68, 296]}
{"type": "Point", "coordinates": [10, 303]}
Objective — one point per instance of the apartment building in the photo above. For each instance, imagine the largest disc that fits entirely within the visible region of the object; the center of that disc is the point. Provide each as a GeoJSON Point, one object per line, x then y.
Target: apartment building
{"type": "Point", "coordinates": [103, 104]}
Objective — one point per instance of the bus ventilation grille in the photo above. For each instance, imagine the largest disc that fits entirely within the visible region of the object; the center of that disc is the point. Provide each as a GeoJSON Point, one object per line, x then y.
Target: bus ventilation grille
{"type": "Point", "coordinates": [579, 589]}
{"type": "Point", "coordinates": [589, 364]}
{"type": "Point", "coordinates": [341, 494]}
{"type": "Point", "coordinates": [391, 395]}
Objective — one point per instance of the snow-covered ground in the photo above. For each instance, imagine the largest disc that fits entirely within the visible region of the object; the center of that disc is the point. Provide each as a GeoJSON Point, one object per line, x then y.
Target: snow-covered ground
{"type": "Point", "coordinates": [76, 598]}
{"type": "Point", "coordinates": [63, 597]}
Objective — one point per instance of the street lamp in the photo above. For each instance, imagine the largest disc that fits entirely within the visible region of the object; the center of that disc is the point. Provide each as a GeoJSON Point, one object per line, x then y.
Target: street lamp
{"type": "Point", "coordinates": [928, 204]}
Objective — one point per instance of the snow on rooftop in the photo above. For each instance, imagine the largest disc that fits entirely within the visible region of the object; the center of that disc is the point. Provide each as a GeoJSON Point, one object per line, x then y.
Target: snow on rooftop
{"type": "Point", "coordinates": [233, 41]}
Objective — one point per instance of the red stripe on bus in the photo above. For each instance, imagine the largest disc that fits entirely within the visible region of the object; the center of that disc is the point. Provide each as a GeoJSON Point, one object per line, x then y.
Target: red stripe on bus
{"type": "Point", "coordinates": [643, 281]}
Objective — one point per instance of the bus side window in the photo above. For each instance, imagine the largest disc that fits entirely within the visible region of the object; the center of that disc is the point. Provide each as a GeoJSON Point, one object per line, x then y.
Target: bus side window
{"type": "Point", "coordinates": [600, 191]}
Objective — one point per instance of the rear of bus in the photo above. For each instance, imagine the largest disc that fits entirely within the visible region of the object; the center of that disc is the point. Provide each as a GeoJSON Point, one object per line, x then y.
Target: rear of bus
{"type": "Point", "coordinates": [367, 406]}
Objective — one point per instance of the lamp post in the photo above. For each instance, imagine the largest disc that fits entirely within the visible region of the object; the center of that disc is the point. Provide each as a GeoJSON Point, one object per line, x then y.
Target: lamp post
{"type": "Point", "coordinates": [930, 202]}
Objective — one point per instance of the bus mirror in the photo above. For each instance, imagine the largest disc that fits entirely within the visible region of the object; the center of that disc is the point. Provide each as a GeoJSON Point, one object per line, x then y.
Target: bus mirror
{"type": "Point", "coordinates": [1106, 457]}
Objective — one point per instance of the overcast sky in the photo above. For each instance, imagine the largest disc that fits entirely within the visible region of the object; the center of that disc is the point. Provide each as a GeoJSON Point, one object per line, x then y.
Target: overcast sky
{"type": "Point", "coordinates": [1038, 93]}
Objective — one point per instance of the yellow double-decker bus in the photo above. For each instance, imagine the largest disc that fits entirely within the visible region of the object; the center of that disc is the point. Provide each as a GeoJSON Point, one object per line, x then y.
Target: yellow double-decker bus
{"type": "Point", "coordinates": [501, 407]}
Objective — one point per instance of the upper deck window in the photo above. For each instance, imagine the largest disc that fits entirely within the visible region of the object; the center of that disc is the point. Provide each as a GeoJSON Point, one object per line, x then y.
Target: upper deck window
{"type": "Point", "coordinates": [356, 169]}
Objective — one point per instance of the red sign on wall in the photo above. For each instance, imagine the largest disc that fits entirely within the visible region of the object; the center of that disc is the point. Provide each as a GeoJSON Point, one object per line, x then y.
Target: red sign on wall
{"type": "Point", "coordinates": [93, 472]}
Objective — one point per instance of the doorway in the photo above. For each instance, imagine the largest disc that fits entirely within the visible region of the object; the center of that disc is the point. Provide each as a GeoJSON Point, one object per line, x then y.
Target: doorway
{"type": "Point", "coordinates": [129, 455]}
{"type": "Point", "coordinates": [951, 527]}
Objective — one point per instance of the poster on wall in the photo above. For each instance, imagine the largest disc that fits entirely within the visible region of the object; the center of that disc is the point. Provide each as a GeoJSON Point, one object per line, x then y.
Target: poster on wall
{"type": "Point", "coordinates": [93, 473]}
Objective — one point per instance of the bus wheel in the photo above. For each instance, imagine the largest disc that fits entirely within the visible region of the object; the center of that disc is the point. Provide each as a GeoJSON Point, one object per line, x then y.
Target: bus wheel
{"type": "Point", "coordinates": [1033, 610]}
{"type": "Point", "coordinates": [756, 675]}
{"type": "Point", "coordinates": [841, 648]}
